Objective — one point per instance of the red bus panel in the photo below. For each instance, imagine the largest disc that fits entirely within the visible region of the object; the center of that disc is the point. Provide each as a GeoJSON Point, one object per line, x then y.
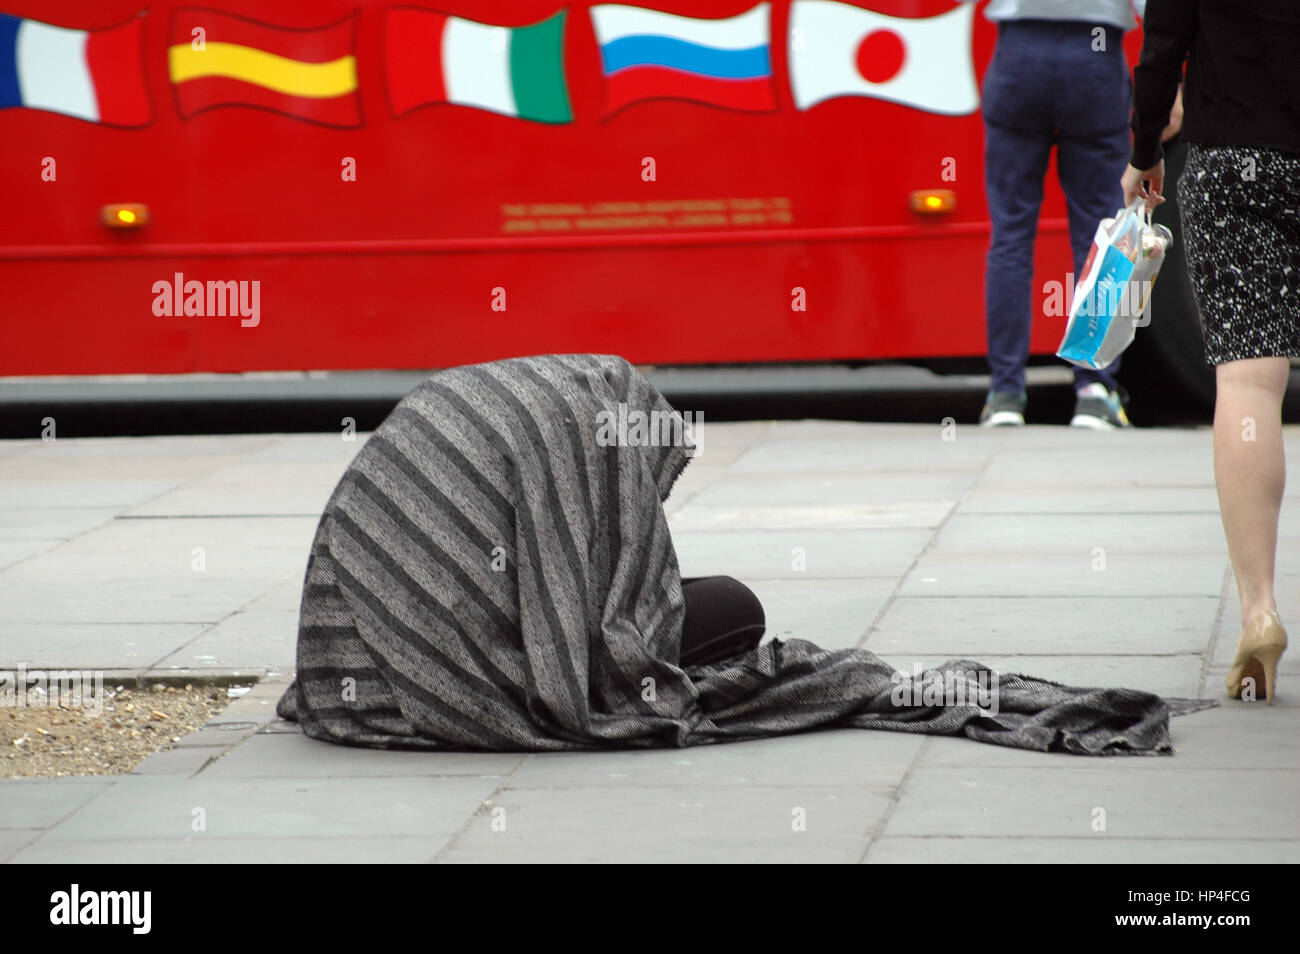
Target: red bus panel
{"type": "Point", "coordinates": [403, 185]}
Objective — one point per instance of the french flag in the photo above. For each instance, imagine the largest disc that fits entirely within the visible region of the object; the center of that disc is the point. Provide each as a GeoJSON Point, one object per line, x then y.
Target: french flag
{"type": "Point", "coordinates": [97, 75]}
{"type": "Point", "coordinates": [648, 54]}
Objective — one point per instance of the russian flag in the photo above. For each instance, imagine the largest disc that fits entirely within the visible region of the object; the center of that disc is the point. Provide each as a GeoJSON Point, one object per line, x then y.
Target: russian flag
{"type": "Point", "coordinates": [648, 54]}
{"type": "Point", "coordinates": [96, 75]}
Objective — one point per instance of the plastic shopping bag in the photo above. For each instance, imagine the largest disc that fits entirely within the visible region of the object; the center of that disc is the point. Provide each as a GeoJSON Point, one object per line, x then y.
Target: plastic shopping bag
{"type": "Point", "coordinates": [1113, 295]}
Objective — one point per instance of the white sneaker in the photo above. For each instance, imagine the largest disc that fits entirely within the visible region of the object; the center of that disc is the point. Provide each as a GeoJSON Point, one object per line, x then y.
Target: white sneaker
{"type": "Point", "coordinates": [1098, 409]}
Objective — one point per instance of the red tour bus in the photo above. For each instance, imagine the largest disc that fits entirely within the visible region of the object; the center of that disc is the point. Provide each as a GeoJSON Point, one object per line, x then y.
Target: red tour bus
{"type": "Point", "coordinates": [224, 185]}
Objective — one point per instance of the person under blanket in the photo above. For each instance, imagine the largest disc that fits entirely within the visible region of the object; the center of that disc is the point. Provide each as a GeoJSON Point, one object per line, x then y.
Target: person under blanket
{"type": "Point", "coordinates": [494, 572]}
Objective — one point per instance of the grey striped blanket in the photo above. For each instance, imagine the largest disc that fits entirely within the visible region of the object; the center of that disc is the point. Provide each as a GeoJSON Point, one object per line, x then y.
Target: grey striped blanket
{"type": "Point", "coordinates": [495, 572]}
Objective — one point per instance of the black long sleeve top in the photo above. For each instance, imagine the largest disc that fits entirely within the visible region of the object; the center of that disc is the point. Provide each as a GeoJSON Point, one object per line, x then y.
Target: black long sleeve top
{"type": "Point", "coordinates": [1243, 74]}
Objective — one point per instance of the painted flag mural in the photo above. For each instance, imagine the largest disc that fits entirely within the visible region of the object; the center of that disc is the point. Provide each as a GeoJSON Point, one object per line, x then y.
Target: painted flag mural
{"type": "Point", "coordinates": [96, 75]}
{"type": "Point", "coordinates": [837, 49]}
{"type": "Point", "coordinates": [647, 54]}
{"type": "Point", "coordinates": [430, 57]}
{"type": "Point", "coordinates": [308, 74]}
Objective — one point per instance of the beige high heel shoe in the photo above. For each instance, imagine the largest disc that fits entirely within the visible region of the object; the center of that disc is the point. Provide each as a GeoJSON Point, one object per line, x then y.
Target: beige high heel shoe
{"type": "Point", "coordinates": [1260, 647]}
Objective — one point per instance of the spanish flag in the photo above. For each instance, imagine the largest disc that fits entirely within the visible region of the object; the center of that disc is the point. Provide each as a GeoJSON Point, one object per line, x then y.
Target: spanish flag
{"type": "Point", "coordinates": [216, 59]}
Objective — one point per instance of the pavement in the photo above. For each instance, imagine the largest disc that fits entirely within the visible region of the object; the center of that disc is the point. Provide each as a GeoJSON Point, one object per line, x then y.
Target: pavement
{"type": "Point", "coordinates": [1087, 558]}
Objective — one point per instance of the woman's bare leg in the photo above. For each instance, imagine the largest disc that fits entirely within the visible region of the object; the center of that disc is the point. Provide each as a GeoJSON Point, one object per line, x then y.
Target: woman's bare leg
{"type": "Point", "coordinates": [1250, 472]}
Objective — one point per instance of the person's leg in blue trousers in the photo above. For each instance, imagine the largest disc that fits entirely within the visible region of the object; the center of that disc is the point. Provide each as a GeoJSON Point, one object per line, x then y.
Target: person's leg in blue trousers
{"type": "Point", "coordinates": [1018, 133]}
{"type": "Point", "coordinates": [1093, 149]}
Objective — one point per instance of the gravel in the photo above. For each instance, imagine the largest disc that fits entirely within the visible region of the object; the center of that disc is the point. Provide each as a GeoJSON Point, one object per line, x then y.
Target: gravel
{"type": "Point", "coordinates": [50, 741]}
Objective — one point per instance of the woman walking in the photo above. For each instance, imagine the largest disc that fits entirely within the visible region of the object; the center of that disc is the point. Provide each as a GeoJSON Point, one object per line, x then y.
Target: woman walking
{"type": "Point", "coordinates": [1239, 202]}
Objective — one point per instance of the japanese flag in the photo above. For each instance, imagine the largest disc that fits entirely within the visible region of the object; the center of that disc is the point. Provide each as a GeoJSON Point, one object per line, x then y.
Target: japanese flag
{"type": "Point", "coordinates": [837, 49]}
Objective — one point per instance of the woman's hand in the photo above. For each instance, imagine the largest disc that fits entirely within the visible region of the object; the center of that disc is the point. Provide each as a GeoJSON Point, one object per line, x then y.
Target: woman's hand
{"type": "Point", "coordinates": [1133, 184]}
{"type": "Point", "coordinates": [1175, 118]}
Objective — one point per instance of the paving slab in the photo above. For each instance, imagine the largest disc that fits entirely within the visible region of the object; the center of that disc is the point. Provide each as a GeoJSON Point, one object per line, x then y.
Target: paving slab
{"type": "Point", "coordinates": [14, 840]}
{"type": "Point", "coordinates": [741, 434]}
{"type": "Point", "coordinates": [203, 599]}
{"type": "Point", "coordinates": [50, 490]}
{"type": "Point", "coordinates": [1124, 461]}
{"type": "Point", "coordinates": [285, 755]}
{"type": "Point", "coordinates": [188, 561]}
{"type": "Point", "coordinates": [222, 733]}
{"type": "Point", "coordinates": [1086, 500]}
{"type": "Point", "coordinates": [653, 825]}
{"type": "Point", "coordinates": [691, 482]}
{"type": "Point", "coordinates": [14, 551]}
{"type": "Point", "coordinates": [277, 487]}
{"type": "Point", "coordinates": [817, 456]}
{"type": "Point", "coordinates": [1020, 574]}
{"type": "Point", "coordinates": [259, 701]}
{"type": "Point", "coordinates": [835, 614]}
{"type": "Point", "coordinates": [183, 761]}
{"type": "Point", "coordinates": [110, 472]}
{"type": "Point", "coordinates": [228, 720]}
{"type": "Point", "coordinates": [804, 762]}
{"type": "Point", "coordinates": [807, 516]}
{"type": "Point", "coordinates": [179, 550]}
{"type": "Point", "coordinates": [1147, 536]}
{"type": "Point", "coordinates": [1098, 849]}
{"type": "Point", "coordinates": [1038, 625]}
{"type": "Point", "coordinates": [43, 803]}
{"type": "Point", "coordinates": [710, 455]}
{"type": "Point", "coordinates": [1289, 531]}
{"type": "Point", "coordinates": [284, 596]}
{"type": "Point", "coordinates": [165, 806]}
{"type": "Point", "coordinates": [201, 849]}
{"type": "Point", "coordinates": [923, 543]}
{"type": "Point", "coordinates": [280, 725]}
{"type": "Point", "coordinates": [798, 554]}
{"type": "Point", "coordinates": [92, 645]}
{"type": "Point", "coordinates": [198, 452]}
{"type": "Point", "coordinates": [893, 487]}
{"type": "Point", "coordinates": [45, 523]}
{"type": "Point", "coordinates": [242, 640]}
{"type": "Point", "coordinates": [1229, 803]}
{"type": "Point", "coordinates": [331, 448]}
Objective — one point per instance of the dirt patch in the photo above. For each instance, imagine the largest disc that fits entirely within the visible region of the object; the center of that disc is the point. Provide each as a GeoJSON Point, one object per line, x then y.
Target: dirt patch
{"type": "Point", "coordinates": [48, 740]}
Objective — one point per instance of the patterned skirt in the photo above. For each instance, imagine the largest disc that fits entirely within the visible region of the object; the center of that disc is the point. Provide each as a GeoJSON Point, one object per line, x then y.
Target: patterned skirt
{"type": "Point", "coordinates": [1240, 212]}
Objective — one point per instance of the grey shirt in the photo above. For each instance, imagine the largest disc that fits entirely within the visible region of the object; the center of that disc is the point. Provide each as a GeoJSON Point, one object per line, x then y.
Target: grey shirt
{"type": "Point", "coordinates": [1112, 12]}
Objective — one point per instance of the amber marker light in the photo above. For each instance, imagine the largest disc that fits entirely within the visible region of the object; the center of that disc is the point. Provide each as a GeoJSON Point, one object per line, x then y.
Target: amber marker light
{"type": "Point", "coordinates": [933, 201]}
{"type": "Point", "coordinates": [124, 215]}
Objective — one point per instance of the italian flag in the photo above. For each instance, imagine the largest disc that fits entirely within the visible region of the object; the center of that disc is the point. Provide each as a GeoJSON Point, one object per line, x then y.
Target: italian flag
{"type": "Point", "coordinates": [516, 71]}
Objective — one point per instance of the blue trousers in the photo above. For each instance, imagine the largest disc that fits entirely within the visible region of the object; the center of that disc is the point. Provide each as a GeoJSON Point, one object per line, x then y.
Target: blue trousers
{"type": "Point", "coordinates": [1051, 83]}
